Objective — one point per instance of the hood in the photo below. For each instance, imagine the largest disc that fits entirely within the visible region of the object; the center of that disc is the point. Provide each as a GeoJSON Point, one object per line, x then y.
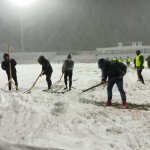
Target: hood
{"type": "Point", "coordinates": [69, 56]}
{"type": "Point", "coordinates": [40, 59]}
{"type": "Point", "coordinates": [103, 63]}
{"type": "Point", "coordinates": [5, 55]}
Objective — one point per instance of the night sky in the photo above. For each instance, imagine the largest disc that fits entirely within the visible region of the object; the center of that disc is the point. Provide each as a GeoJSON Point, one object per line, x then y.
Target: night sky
{"type": "Point", "coordinates": [55, 25]}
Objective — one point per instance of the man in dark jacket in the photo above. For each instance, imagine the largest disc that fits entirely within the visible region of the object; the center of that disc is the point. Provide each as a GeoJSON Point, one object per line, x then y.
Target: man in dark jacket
{"type": "Point", "coordinates": [46, 70]}
{"type": "Point", "coordinates": [139, 65]}
{"type": "Point", "coordinates": [114, 71]}
{"type": "Point", "coordinates": [67, 69]}
{"type": "Point", "coordinates": [6, 66]}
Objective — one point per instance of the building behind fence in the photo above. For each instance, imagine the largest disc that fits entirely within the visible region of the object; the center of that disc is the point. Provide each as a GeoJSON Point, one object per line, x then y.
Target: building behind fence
{"type": "Point", "coordinates": [122, 50]}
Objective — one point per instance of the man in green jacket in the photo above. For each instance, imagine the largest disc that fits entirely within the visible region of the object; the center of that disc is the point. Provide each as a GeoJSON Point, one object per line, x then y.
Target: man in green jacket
{"type": "Point", "coordinates": [139, 65]}
{"type": "Point", "coordinates": [128, 60]}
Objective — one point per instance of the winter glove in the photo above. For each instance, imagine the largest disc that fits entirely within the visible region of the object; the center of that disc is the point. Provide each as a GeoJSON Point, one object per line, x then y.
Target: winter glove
{"type": "Point", "coordinates": [122, 73]}
{"type": "Point", "coordinates": [3, 67]}
{"type": "Point", "coordinates": [103, 82]}
{"type": "Point", "coordinates": [42, 73]}
{"type": "Point", "coordinates": [140, 68]}
{"type": "Point", "coordinates": [120, 76]}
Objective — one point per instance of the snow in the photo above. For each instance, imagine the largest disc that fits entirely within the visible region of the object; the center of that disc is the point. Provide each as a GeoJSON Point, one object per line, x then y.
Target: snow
{"type": "Point", "coordinates": [71, 121]}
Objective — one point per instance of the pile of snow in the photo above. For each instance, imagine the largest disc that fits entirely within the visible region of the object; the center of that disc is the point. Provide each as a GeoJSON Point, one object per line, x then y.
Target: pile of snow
{"type": "Point", "coordinates": [65, 121]}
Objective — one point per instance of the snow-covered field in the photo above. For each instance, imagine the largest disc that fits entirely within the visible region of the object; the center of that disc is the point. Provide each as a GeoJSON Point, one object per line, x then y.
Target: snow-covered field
{"type": "Point", "coordinates": [73, 121]}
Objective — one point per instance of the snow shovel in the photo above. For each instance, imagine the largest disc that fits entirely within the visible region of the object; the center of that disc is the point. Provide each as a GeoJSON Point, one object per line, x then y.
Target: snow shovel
{"type": "Point", "coordinates": [99, 85]}
{"type": "Point", "coordinates": [59, 79]}
{"type": "Point", "coordinates": [93, 87]}
{"type": "Point", "coordinates": [10, 81]}
{"type": "Point", "coordinates": [29, 90]}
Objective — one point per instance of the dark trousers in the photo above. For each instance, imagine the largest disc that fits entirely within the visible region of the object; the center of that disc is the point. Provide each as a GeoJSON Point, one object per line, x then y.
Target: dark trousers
{"type": "Point", "coordinates": [139, 73]}
{"type": "Point", "coordinates": [48, 79]}
{"type": "Point", "coordinates": [128, 64]}
{"type": "Point", "coordinates": [68, 74]}
{"type": "Point", "coordinates": [14, 76]}
{"type": "Point", "coordinates": [148, 64]}
{"type": "Point", "coordinates": [119, 83]}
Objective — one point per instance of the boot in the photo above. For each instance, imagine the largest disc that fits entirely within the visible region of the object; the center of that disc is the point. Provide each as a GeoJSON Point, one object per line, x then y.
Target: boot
{"type": "Point", "coordinates": [46, 90]}
{"type": "Point", "coordinates": [124, 104]}
{"type": "Point", "coordinates": [108, 103]}
{"type": "Point", "coordinates": [66, 88]}
{"type": "Point", "coordinates": [69, 87]}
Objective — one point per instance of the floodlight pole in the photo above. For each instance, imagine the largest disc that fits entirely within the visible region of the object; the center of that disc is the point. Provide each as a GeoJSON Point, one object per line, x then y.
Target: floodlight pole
{"type": "Point", "coordinates": [21, 29]}
{"type": "Point", "coordinates": [21, 2]}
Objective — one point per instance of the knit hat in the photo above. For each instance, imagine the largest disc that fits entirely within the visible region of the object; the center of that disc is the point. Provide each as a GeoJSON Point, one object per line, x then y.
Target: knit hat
{"type": "Point", "coordinates": [138, 52]}
{"type": "Point", "coordinates": [69, 56]}
{"type": "Point", "coordinates": [5, 55]}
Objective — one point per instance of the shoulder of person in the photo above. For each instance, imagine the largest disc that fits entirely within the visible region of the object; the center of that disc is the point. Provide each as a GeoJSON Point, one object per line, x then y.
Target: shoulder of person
{"type": "Point", "coordinates": [141, 57]}
{"type": "Point", "coordinates": [123, 65]}
{"type": "Point", "coordinates": [46, 60]}
{"type": "Point", "coordinates": [113, 62]}
{"type": "Point", "coordinates": [64, 61]}
{"type": "Point", "coordinates": [3, 61]}
{"type": "Point", "coordinates": [12, 59]}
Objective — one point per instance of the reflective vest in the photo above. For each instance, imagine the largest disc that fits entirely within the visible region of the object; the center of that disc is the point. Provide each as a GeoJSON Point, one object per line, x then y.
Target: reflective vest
{"type": "Point", "coordinates": [128, 60]}
{"type": "Point", "coordinates": [119, 60]}
{"type": "Point", "coordinates": [138, 62]}
{"type": "Point", "coordinates": [114, 59]}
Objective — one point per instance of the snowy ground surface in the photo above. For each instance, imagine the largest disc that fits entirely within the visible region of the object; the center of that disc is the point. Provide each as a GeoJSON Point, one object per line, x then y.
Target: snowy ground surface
{"type": "Point", "coordinates": [73, 121]}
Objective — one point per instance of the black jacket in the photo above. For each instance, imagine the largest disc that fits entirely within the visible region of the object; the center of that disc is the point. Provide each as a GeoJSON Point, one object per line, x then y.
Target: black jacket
{"type": "Point", "coordinates": [5, 66]}
{"type": "Point", "coordinates": [68, 65]}
{"type": "Point", "coordinates": [113, 69]}
{"type": "Point", "coordinates": [46, 67]}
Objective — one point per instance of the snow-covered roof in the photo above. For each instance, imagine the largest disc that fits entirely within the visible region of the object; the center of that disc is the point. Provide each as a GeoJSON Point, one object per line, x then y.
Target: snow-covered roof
{"type": "Point", "coordinates": [124, 48]}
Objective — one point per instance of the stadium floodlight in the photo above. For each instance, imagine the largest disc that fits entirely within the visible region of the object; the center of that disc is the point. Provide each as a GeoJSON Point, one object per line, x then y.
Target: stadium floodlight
{"type": "Point", "coordinates": [22, 2]}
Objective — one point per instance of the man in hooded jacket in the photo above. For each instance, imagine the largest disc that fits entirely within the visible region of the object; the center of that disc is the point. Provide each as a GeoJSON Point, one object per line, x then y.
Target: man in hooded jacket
{"type": "Point", "coordinates": [114, 71]}
{"type": "Point", "coordinates": [67, 69]}
{"type": "Point", "coordinates": [6, 66]}
{"type": "Point", "coordinates": [46, 70]}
